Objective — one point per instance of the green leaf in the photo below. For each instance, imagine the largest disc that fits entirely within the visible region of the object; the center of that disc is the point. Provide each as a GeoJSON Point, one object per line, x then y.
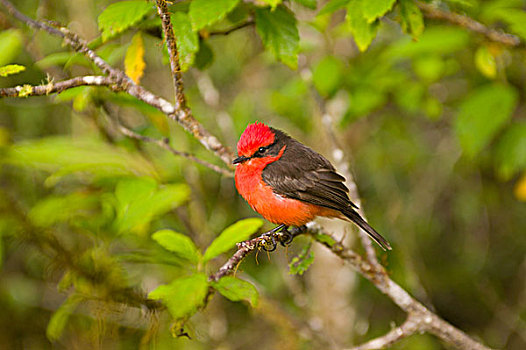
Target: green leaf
{"type": "Point", "coordinates": [236, 289]}
{"type": "Point", "coordinates": [302, 262]}
{"type": "Point", "coordinates": [332, 6]}
{"type": "Point", "coordinates": [118, 17]}
{"type": "Point", "coordinates": [11, 69]}
{"type": "Point", "coordinates": [187, 39]}
{"type": "Point", "coordinates": [204, 57]}
{"type": "Point", "coordinates": [278, 31]}
{"type": "Point", "coordinates": [362, 31]}
{"type": "Point", "coordinates": [373, 9]}
{"type": "Point", "coordinates": [54, 209]}
{"type": "Point", "coordinates": [184, 296]}
{"type": "Point", "coordinates": [238, 232]}
{"type": "Point", "coordinates": [328, 75]}
{"type": "Point", "coordinates": [515, 18]}
{"type": "Point", "coordinates": [179, 244]}
{"type": "Point", "coordinates": [63, 155]}
{"type": "Point", "coordinates": [483, 114]}
{"type": "Point", "coordinates": [412, 19]}
{"type": "Point", "coordinates": [511, 151]}
{"type": "Point", "coordinates": [439, 40]}
{"type": "Point", "coordinates": [308, 3]}
{"type": "Point", "coordinates": [139, 200]}
{"type": "Point", "coordinates": [58, 321]}
{"type": "Point", "coordinates": [271, 3]}
{"type": "Point", "coordinates": [205, 12]}
{"type": "Point", "coordinates": [10, 45]}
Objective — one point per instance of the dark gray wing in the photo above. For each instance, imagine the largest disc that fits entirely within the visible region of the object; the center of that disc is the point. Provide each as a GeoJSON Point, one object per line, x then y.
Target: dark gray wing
{"type": "Point", "coordinates": [304, 174]}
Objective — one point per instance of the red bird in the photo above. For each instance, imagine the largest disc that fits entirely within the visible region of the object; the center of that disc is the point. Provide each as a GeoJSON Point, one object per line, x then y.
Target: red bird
{"type": "Point", "coordinates": [290, 184]}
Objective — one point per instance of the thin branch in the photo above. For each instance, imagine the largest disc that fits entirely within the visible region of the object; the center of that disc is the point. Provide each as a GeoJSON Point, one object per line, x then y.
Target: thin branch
{"type": "Point", "coordinates": [165, 144]}
{"type": "Point", "coordinates": [164, 14]}
{"type": "Point", "coordinates": [433, 12]}
{"type": "Point", "coordinates": [233, 29]}
{"type": "Point", "coordinates": [122, 82]}
{"type": "Point", "coordinates": [409, 327]}
{"type": "Point", "coordinates": [51, 87]}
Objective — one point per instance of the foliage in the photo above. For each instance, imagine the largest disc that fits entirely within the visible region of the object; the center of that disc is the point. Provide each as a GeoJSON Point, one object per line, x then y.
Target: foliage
{"type": "Point", "coordinates": [431, 114]}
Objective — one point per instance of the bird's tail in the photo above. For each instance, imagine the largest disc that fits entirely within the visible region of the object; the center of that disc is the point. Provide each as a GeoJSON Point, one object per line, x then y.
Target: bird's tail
{"type": "Point", "coordinates": [375, 236]}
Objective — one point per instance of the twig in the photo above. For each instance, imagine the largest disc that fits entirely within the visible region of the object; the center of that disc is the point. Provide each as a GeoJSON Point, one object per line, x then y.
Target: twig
{"type": "Point", "coordinates": [409, 327]}
{"type": "Point", "coordinates": [431, 11]}
{"type": "Point", "coordinates": [233, 29]}
{"type": "Point", "coordinates": [165, 144]}
{"type": "Point", "coordinates": [51, 87]}
{"type": "Point", "coordinates": [176, 112]}
{"type": "Point", "coordinates": [162, 10]}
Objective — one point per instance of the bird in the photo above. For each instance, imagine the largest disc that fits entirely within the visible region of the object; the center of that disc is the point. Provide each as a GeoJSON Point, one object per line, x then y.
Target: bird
{"type": "Point", "coordinates": [290, 184]}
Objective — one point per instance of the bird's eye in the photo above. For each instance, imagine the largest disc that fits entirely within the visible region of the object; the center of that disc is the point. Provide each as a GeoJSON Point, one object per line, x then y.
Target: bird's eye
{"type": "Point", "coordinates": [262, 149]}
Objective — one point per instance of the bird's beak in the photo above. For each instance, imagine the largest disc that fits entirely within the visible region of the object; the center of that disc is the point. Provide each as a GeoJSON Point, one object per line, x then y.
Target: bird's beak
{"type": "Point", "coordinates": [240, 159]}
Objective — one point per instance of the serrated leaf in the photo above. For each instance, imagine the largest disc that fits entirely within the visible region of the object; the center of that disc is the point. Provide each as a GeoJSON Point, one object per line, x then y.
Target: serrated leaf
{"type": "Point", "coordinates": [373, 9]}
{"type": "Point", "coordinates": [140, 199]}
{"type": "Point", "coordinates": [187, 40]}
{"type": "Point", "coordinates": [308, 3]}
{"type": "Point", "coordinates": [134, 61]}
{"type": "Point", "coordinates": [59, 319]}
{"type": "Point", "coordinates": [363, 32]}
{"type": "Point", "coordinates": [120, 16]}
{"type": "Point", "coordinates": [11, 69]}
{"type": "Point", "coordinates": [327, 75]}
{"type": "Point", "coordinates": [184, 296]}
{"type": "Point", "coordinates": [412, 19]}
{"type": "Point", "coordinates": [205, 12]}
{"type": "Point", "coordinates": [236, 289]}
{"type": "Point", "coordinates": [238, 232]}
{"type": "Point", "coordinates": [482, 115]}
{"type": "Point", "coordinates": [332, 6]}
{"type": "Point", "coordinates": [278, 31]}
{"type": "Point", "coordinates": [511, 151]}
{"type": "Point", "coordinates": [179, 244]}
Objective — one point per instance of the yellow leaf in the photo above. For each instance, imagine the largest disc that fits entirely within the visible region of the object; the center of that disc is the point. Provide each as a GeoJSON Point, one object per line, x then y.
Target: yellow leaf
{"type": "Point", "coordinates": [485, 62]}
{"type": "Point", "coordinates": [520, 188]}
{"type": "Point", "coordinates": [134, 61]}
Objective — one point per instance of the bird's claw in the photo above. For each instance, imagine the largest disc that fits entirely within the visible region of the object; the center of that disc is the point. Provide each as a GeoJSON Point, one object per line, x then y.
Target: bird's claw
{"type": "Point", "coordinates": [286, 237]}
{"type": "Point", "coordinates": [268, 243]}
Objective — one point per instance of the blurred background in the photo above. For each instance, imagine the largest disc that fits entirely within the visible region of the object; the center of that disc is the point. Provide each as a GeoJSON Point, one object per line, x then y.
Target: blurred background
{"type": "Point", "coordinates": [432, 126]}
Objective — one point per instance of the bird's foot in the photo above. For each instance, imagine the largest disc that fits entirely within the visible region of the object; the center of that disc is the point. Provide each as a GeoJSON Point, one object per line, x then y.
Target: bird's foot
{"type": "Point", "coordinates": [285, 237]}
{"type": "Point", "coordinates": [268, 242]}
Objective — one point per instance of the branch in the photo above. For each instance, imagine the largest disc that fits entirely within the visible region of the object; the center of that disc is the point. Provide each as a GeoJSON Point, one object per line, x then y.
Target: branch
{"type": "Point", "coordinates": [49, 88]}
{"type": "Point", "coordinates": [165, 144]}
{"type": "Point", "coordinates": [433, 12]}
{"type": "Point", "coordinates": [409, 327]}
{"type": "Point", "coordinates": [162, 10]}
{"type": "Point", "coordinates": [233, 29]}
{"type": "Point", "coordinates": [177, 112]}
{"type": "Point", "coordinates": [427, 321]}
